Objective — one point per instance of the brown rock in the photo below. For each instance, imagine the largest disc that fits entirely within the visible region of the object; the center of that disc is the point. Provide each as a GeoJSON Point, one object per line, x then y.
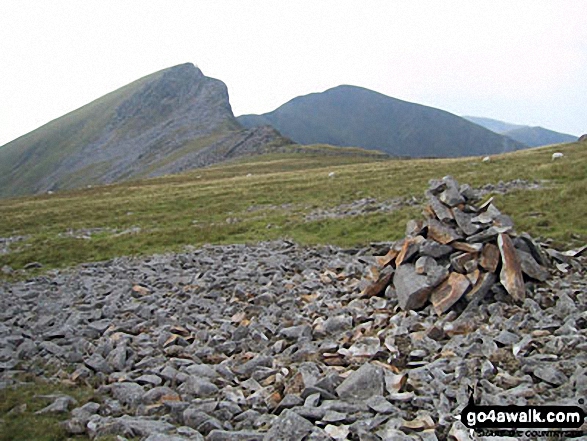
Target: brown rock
{"type": "Point", "coordinates": [388, 258]}
{"type": "Point", "coordinates": [441, 233]}
{"type": "Point", "coordinates": [464, 262]}
{"type": "Point", "coordinates": [382, 282]}
{"type": "Point", "coordinates": [511, 270]}
{"type": "Point", "coordinates": [412, 289]}
{"type": "Point", "coordinates": [489, 258]}
{"type": "Point", "coordinates": [449, 292]}
{"type": "Point", "coordinates": [473, 276]}
{"type": "Point", "coordinates": [409, 249]}
{"type": "Point", "coordinates": [467, 247]}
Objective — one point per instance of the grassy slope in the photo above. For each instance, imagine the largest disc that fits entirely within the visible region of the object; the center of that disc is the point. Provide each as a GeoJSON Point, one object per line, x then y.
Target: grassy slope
{"type": "Point", "coordinates": [193, 208]}
{"type": "Point", "coordinates": [48, 145]}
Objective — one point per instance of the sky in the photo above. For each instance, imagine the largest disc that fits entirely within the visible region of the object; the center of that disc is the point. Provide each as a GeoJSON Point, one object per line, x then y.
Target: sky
{"type": "Point", "coordinates": [522, 61]}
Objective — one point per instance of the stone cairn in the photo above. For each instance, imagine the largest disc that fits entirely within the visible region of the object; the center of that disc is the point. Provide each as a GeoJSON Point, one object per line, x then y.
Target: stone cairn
{"type": "Point", "coordinates": [459, 252]}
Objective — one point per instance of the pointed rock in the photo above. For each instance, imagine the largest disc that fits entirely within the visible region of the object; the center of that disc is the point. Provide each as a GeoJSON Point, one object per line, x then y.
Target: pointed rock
{"type": "Point", "coordinates": [467, 247]}
{"type": "Point", "coordinates": [511, 270]}
{"type": "Point", "coordinates": [451, 196]}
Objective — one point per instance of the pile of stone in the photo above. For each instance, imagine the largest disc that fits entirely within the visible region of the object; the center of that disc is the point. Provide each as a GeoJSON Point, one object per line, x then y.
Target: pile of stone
{"type": "Point", "coordinates": [275, 341]}
{"type": "Point", "coordinates": [460, 252]}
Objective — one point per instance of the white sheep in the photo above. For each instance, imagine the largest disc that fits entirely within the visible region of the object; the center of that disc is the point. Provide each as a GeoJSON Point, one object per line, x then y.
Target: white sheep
{"type": "Point", "coordinates": [331, 174]}
{"type": "Point", "coordinates": [557, 155]}
{"type": "Point", "coordinates": [486, 159]}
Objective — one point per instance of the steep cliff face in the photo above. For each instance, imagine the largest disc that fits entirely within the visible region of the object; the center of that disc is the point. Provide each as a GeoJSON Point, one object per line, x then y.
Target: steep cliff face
{"type": "Point", "coordinates": [169, 121]}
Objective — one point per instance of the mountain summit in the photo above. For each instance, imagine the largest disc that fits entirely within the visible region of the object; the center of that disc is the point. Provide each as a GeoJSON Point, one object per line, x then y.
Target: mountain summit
{"type": "Point", "coordinates": [354, 116]}
{"type": "Point", "coordinates": [172, 120]}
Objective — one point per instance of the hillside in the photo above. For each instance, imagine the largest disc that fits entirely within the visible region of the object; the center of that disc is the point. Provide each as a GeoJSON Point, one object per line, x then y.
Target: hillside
{"type": "Point", "coordinates": [531, 136]}
{"type": "Point", "coordinates": [170, 121]}
{"type": "Point", "coordinates": [285, 196]}
{"type": "Point", "coordinates": [354, 116]}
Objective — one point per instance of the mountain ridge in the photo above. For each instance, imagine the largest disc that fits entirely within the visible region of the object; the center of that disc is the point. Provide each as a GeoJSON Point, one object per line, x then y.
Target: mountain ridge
{"type": "Point", "coordinates": [166, 122]}
{"type": "Point", "coordinates": [532, 136]}
{"type": "Point", "coordinates": [349, 115]}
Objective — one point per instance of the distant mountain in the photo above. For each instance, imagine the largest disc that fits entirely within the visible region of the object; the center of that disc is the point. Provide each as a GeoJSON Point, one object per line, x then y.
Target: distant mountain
{"type": "Point", "coordinates": [493, 124]}
{"type": "Point", "coordinates": [173, 120]}
{"type": "Point", "coordinates": [354, 116]}
{"type": "Point", "coordinates": [531, 136]}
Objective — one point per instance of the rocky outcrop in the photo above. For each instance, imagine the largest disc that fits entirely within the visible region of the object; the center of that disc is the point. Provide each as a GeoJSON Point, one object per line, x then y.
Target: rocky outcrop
{"type": "Point", "coordinates": [277, 341]}
{"type": "Point", "coordinates": [173, 120]}
{"type": "Point", "coordinates": [583, 138]}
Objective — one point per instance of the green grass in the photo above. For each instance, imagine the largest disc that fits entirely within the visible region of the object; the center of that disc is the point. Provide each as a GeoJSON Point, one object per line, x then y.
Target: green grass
{"type": "Point", "coordinates": [18, 405]}
{"type": "Point", "coordinates": [192, 208]}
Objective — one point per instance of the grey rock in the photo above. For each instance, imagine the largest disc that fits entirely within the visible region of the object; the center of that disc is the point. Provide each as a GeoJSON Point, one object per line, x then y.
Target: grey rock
{"type": "Point", "coordinates": [531, 268]}
{"type": "Point", "coordinates": [296, 332]}
{"type": "Point", "coordinates": [98, 364]}
{"type": "Point", "coordinates": [60, 405]}
{"type": "Point", "coordinates": [380, 405]}
{"type": "Point", "coordinates": [163, 437]}
{"type": "Point", "coordinates": [464, 221]}
{"type": "Point", "coordinates": [338, 323]}
{"type": "Point", "coordinates": [289, 427]}
{"type": "Point", "coordinates": [149, 380]}
{"type": "Point", "coordinates": [250, 366]}
{"type": "Point", "coordinates": [412, 288]}
{"type": "Point", "coordinates": [159, 394]}
{"type": "Point", "coordinates": [550, 375]}
{"type": "Point", "coordinates": [434, 249]}
{"type": "Point", "coordinates": [225, 435]}
{"type": "Point", "coordinates": [199, 387]}
{"type": "Point", "coordinates": [126, 426]}
{"type": "Point", "coordinates": [362, 384]}
{"type": "Point", "coordinates": [127, 393]}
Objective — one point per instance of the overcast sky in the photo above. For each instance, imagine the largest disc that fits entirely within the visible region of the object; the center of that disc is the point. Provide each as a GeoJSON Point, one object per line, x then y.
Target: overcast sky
{"type": "Point", "coordinates": [521, 61]}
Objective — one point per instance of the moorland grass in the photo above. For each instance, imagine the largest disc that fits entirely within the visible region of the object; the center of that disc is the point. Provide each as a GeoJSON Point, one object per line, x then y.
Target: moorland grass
{"type": "Point", "coordinates": [267, 197]}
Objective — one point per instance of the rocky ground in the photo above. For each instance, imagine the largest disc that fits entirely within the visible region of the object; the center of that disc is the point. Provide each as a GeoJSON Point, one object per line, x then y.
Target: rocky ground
{"type": "Point", "coordinates": [276, 341]}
